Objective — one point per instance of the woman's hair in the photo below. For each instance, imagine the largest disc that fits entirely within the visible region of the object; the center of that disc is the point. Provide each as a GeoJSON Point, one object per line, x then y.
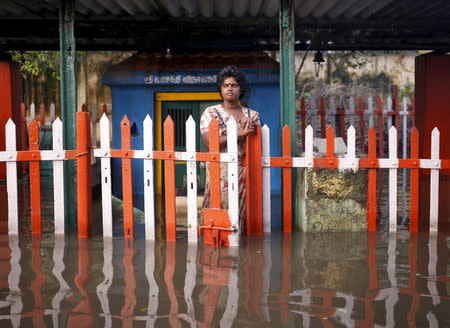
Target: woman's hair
{"type": "Point", "coordinates": [232, 71]}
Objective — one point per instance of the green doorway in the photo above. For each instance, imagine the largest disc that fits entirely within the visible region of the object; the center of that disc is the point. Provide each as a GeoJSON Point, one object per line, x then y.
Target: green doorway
{"type": "Point", "coordinates": [180, 111]}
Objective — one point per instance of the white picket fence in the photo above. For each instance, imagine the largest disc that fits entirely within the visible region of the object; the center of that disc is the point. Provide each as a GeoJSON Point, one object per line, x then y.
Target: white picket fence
{"type": "Point", "coordinates": [57, 155]}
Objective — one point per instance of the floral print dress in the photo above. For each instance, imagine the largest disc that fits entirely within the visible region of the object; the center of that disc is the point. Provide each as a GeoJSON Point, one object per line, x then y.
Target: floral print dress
{"type": "Point", "coordinates": [222, 116]}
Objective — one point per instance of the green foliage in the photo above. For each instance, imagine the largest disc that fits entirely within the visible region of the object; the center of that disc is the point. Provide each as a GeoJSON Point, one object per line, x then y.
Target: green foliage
{"type": "Point", "coordinates": [35, 63]}
{"type": "Point", "coordinates": [407, 90]}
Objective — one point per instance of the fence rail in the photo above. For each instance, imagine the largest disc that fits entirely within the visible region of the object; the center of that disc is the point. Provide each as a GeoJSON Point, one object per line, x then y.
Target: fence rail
{"type": "Point", "coordinates": [258, 177]}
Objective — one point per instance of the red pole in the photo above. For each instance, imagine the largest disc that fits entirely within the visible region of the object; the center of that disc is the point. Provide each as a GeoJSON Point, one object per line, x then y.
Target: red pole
{"type": "Point", "coordinates": [372, 187]}
{"type": "Point", "coordinates": [414, 182]}
{"type": "Point", "coordinates": [83, 173]}
{"type": "Point", "coordinates": [169, 180]}
{"type": "Point", "coordinates": [254, 182]}
{"type": "Point", "coordinates": [35, 179]}
{"type": "Point", "coordinates": [287, 180]}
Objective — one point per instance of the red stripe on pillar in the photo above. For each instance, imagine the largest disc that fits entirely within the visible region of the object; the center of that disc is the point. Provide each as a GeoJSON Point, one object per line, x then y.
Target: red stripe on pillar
{"type": "Point", "coordinates": [35, 179]}
{"type": "Point", "coordinates": [414, 183]}
{"type": "Point", "coordinates": [127, 180]}
{"type": "Point", "coordinates": [169, 180]}
{"type": "Point", "coordinates": [287, 177]}
{"type": "Point", "coordinates": [83, 173]}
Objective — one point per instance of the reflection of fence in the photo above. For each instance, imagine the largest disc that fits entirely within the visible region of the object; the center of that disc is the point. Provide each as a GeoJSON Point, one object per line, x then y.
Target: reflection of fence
{"type": "Point", "coordinates": [258, 162]}
{"type": "Point", "coordinates": [205, 286]}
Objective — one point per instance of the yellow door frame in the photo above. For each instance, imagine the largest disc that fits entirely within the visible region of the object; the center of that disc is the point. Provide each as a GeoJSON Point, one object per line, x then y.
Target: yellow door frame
{"type": "Point", "coordinates": [173, 96]}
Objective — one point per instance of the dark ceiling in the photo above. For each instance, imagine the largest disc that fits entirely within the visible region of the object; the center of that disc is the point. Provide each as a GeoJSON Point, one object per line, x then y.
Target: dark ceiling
{"type": "Point", "coordinates": [155, 25]}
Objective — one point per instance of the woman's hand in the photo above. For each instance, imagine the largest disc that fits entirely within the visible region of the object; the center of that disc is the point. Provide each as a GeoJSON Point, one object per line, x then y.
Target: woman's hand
{"type": "Point", "coordinates": [247, 126]}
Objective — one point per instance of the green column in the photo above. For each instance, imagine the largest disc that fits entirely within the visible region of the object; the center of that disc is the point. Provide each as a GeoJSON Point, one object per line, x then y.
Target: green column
{"type": "Point", "coordinates": [68, 102]}
{"type": "Point", "coordinates": [287, 87]}
{"type": "Point", "coordinates": [287, 68]}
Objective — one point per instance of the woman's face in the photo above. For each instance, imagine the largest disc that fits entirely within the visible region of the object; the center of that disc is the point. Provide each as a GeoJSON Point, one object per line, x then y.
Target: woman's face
{"type": "Point", "coordinates": [230, 90]}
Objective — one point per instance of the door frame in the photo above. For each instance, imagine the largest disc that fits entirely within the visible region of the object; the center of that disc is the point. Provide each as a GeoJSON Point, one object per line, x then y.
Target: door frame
{"type": "Point", "coordinates": [173, 96]}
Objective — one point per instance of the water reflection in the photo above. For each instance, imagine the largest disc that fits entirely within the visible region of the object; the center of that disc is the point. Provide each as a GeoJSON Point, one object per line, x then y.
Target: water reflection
{"type": "Point", "coordinates": [303, 280]}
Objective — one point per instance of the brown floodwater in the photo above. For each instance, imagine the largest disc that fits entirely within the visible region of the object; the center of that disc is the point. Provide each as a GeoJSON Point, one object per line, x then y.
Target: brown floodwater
{"type": "Point", "coordinates": [298, 280]}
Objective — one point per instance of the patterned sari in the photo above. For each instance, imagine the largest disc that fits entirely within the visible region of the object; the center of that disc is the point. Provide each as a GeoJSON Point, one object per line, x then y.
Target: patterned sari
{"type": "Point", "coordinates": [222, 116]}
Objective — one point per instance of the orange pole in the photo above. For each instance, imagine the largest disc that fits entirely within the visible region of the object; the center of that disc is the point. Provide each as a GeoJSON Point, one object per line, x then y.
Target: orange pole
{"type": "Point", "coordinates": [414, 183]}
{"type": "Point", "coordinates": [127, 311]}
{"type": "Point", "coordinates": [214, 167]}
{"type": "Point", "coordinates": [287, 180]}
{"type": "Point", "coordinates": [35, 179]}
{"type": "Point", "coordinates": [361, 124]}
{"type": "Point", "coordinates": [322, 116]}
{"type": "Point", "coordinates": [169, 180]}
{"type": "Point", "coordinates": [254, 182]}
{"type": "Point", "coordinates": [127, 179]}
{"type": "Point", "coordinates": [42, 113]}
{"type": "Point", "coordinates": [372, 186]}
{"type": "Point", "coordinates": [83, 173]}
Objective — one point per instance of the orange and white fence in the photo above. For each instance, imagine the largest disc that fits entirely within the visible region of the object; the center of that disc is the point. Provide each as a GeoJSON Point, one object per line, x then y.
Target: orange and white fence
{"type": "Point", "coordinates": [220, 226]}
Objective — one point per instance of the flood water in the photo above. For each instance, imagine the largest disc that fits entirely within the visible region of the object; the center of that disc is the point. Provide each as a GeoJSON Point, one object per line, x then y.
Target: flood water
{"type": "Point", "coordinates": [298, 280]}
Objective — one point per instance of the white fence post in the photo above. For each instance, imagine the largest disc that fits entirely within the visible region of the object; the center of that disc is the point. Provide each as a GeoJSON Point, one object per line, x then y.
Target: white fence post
{"type": "Point", "coordinates": [434, 181]}
{"type": "Point", "coordinates": [388, 109]}
{"type": "Point", "coordinates": [149, 200]}
{"type": "Point", "coordinates": [191, 171]}
{"type": "Point", "coordinates": [393, 179]}
{"type": "Point", "coordinates": [233, 180]}
{"type": "Point", "coordinates": [58, 178]}
{"type": "Point", "coordinates": [106, 176]}
{"type": "Point", "coordinates": [265, 135]}
{"type": "Point", "coordinates": [351, 111]}
{"type": "Point", "coordinates": [11, 179]}
{"type": "Point", "coordinates": [404, 114]}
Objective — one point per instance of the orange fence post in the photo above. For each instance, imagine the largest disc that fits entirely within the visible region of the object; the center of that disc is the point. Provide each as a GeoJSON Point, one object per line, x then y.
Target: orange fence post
{"type": "Point", "coordinates": [83, 173]}
{"type": "Point", "coordinates": [253, 163]}
{"type": "Point", "coordinates": [127, 179]}
{"type": "Point", "coordinates": [35, 179]}
{"type": "Point", "coordinates": [169, 179]}
{"type": "Point", "coordinates": [214, 167]}
{"type": "Point", "coordinates": [372, 185]}
{"type": "Point", "coordinates": [414, 183]}
{"type": "Point", "coordinates": [287, 180]}
{"type": "Point", "coordinates": [23, 134]}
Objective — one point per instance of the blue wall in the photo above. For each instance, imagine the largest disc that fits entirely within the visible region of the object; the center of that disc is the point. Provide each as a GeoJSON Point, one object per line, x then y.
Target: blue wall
{"type": "Point", "coordinates": [134, 97]}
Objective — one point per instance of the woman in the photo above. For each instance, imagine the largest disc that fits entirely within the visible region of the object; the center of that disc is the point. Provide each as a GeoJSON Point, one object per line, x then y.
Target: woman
{"type": "Point", "coordinates": [232, 87]}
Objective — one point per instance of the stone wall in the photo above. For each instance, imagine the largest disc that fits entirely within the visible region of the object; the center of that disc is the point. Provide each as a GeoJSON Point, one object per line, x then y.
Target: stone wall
{"type": "Point", "coordinates": [332, 200]}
